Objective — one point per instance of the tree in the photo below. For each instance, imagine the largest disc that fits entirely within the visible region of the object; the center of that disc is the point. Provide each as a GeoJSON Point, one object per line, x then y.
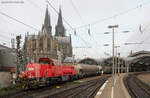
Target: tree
{"type": "Point", "coordinates": [19, 55]}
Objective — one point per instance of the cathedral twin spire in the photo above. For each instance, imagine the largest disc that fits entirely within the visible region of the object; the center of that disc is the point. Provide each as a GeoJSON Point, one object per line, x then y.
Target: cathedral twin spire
{"type": "Point", "coordinates": [59, 22]}
{"type": "Point", "coordinates": [47, 23]}
{"type": "Point", "coordinates": [60, 30]}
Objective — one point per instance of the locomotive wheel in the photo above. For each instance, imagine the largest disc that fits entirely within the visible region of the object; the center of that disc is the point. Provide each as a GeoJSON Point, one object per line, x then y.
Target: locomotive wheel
{"type": "Point", "coordinates": [25, 85]}
{"type": "Point", "coordinates": [71, 78]}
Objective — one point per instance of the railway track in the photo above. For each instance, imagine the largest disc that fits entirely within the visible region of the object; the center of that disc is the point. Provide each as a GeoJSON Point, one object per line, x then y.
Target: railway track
{"type": "Point", "coordinates": [136, 88]}
{"type": "Point", "coordinates": [85, 90]}
{"type": "Point", "coordinates": [25, 93]}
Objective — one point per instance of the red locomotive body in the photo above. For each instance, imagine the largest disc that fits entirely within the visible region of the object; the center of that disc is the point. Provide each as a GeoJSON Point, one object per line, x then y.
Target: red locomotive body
{"type": "Point", "coordinates": [47, 70]}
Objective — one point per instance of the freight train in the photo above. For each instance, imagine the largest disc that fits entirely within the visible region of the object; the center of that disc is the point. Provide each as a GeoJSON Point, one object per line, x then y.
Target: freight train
{"type": "Point", "coordinates": [48, 71]}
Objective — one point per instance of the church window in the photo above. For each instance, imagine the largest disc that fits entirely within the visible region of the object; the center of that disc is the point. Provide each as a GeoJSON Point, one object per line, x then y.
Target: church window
{"type": "Point", "coordinates": [41, 44]}
{"type": "Point", "coordinates": [34, 44]}
{"type": "Point", "coordinates": [48, 44]}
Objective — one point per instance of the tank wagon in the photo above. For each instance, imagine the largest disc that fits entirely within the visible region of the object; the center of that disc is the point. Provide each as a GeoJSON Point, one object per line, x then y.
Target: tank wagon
{"type": "Point", "coordinates": [84, 70]}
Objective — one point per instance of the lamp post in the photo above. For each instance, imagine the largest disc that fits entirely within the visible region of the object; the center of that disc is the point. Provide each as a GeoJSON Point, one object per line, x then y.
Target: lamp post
{"type": "Point", "coordinates": [116, 63]}
{"type": "Point", "coordinates": [112, 27]}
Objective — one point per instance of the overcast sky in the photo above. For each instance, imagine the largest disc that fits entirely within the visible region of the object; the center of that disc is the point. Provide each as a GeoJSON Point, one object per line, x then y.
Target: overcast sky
{"type": "Point", "coordinates": [98, 13]}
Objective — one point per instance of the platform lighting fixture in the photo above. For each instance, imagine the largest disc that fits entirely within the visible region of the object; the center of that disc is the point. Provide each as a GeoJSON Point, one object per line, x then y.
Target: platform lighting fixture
{"type": "Point", "coordinates": [106, 44]}
{"type": "Point", "coordinates": [107, 33]}
{"type": "Point", "coordinates": [116, 47]}
{"type": "Point", "coordinates": [112, 27]}
{"type": "Point", "coordinates": [131, 43]}
{"type": "Point", "coordinates": [126, 31]}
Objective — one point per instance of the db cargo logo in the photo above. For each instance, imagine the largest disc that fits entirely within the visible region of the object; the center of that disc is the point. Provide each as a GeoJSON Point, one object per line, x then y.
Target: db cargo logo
{"type": "Point", "coordinates": [12, 2]}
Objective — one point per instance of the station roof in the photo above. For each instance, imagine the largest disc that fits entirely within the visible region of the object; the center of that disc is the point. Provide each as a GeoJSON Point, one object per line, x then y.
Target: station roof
{"type": "Point", "coordinates": [91, 61]}
{"type": "Point", "coordinates": [143, 52]}
{"type": "Point", "coordinates": [139, 59]}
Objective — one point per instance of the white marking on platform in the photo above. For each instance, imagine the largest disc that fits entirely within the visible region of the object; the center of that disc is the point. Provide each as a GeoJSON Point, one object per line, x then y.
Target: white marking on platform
{"type": "Point", "coordinates": [102, 88]}
{"type": "Point", "coordinates": [112, 92]}
{"type": "Point", "coordinates": [99, 93]}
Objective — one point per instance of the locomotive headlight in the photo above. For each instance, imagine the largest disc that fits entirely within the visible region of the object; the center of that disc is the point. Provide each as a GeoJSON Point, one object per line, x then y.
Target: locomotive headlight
{"type": "Point", "coordinates": [30, 68]}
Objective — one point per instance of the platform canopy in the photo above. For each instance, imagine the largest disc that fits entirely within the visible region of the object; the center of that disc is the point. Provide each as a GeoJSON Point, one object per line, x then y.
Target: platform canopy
{"type": "Point", "coordinates": [91, 61]}
{"type": "Point", "coordinates": [139, 61]}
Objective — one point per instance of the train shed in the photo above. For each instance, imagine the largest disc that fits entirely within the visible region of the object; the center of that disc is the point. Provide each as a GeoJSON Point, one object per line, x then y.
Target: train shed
{"type": "Point", "coordinates": [91, 61]}
{"type": "Point", "coordinates": [139, 61]}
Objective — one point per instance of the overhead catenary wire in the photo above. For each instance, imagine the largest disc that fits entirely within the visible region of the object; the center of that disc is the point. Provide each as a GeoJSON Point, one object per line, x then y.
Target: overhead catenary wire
{"type": "Point", "coordinates": [4, 14]}
{"type": "Point", "coordinates": [58, 14]}
{"type": "Point", "coordinates": [67, 23]}
{"type": "Point", "coordinates": [34, 4]}
{"type": "Point", "coordinates": [12, 24]}
{"type": "Point", "coordinates": [76, 10]}
{"type": "Point", "coordinates": [4, 40]}
{"type": "Point", "coordinates": [4, 37]}
{"type": "Point", "coordinates": [89, 29]}
{"type": "Point", "coordinates": [84, 40]}
{"type": "Point", "coordinates": [115, 15]}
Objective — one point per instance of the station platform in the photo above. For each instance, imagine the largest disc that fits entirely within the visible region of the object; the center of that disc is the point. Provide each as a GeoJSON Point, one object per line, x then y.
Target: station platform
{"type": "Point", "coordinates": [120, 90]}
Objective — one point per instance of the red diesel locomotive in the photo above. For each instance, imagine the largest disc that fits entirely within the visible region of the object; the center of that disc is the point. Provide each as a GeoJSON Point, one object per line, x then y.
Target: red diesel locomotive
{"type": "Point", "coordinates": [47, 71]}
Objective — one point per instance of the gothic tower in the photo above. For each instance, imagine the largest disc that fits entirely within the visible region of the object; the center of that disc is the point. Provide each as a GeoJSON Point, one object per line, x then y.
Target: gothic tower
{"type": "Point", "coordinates": [47, 28]}
{"type": "Point", "coordinates": [60, 30]}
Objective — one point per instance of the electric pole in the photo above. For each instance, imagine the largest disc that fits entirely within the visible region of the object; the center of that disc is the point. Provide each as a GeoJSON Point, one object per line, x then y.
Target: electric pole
{"type": "Point", "coordinates": [118, 63]}
{"type": "Point", "coordinates": [19, 56]}
{"type": "Point", "coordinates": [113, 59]}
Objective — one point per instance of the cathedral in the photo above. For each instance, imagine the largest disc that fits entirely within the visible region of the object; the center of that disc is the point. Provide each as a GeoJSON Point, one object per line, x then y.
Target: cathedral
{"type": "Point", "coordinates": [45, 44]}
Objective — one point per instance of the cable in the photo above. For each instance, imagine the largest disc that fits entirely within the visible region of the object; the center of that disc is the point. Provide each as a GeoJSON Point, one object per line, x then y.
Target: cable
{"type": "Point", "coordinates": [34, 4]}
{"type": "Point", "coordinates": [75, 8]}
{"type": "Point", "coordinates": [18, 21]}
{"type": "Point", "coordinates": [58, 14]}
{"type": "Point", "coordinates": [3, 36]}
{"type": "Point", "coordinates": [83, 40]}
{"type": "Point", "coordinates": [12, 24]}
{"type": "Point", "coordinates": [107, 18]}
{"type": "Point", "coordinates": [5, 40]}
{"type": "Point", "coordinates": [67, 22]}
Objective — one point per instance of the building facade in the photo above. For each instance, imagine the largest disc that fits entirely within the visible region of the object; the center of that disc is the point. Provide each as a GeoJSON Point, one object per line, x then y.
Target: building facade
{"type": "Point", "coordinates": [7, 65]}
{"type": "Point", "coordinates": [45, 44]}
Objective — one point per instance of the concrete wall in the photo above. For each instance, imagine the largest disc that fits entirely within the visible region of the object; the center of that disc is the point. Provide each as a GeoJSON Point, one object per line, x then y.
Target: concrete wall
{"type": "Point", "coordinates": [7, 58]}
{"type": "Point", "coordinates": [5, 79]}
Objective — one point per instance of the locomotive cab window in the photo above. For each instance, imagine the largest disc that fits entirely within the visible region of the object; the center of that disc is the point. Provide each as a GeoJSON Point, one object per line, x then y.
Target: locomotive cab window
{"type": "Point", "coordinates": [44, 62]}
